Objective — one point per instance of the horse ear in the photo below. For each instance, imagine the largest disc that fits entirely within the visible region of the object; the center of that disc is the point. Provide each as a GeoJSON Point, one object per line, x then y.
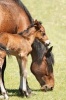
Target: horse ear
{"type": "Point", "coordinates": [36, 21]}
{"type": "Point", "coordinates": [50, 49]}
{"type": "Point", "coordinates": [37, 24]}
{"type": "Point", "coordinates": [48, 52]}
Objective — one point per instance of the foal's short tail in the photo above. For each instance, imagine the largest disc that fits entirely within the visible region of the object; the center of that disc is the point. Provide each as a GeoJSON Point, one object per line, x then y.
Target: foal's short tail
{"type": "Point", "coordinates": [3, 48]}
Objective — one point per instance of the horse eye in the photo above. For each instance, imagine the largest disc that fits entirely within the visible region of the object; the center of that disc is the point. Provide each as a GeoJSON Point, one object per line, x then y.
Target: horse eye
{"type": "Point", "coordinates": [43, 34]}
{"type": "Point", "coordinates": [46, 74]}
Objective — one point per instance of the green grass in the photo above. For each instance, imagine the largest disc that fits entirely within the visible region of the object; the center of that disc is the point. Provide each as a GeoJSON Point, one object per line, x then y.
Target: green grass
{"type": "Point", "coordinates": [52, 13]}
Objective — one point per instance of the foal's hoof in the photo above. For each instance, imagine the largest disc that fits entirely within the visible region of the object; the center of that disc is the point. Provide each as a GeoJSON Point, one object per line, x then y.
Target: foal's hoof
{"type": "Point", "coordinates": [21, 92]}
{"type": "Point", "coordinates": [4, 97]}
{"type": "Point", "coordinates": [24, 93]}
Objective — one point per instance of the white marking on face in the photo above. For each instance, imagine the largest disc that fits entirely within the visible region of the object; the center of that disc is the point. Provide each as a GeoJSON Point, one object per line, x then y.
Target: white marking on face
{"type": "Point", "coordinates": [47, 42]}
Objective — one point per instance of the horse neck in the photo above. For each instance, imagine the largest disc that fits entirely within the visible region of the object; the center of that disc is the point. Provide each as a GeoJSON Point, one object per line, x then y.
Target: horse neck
{"type": "Point", "coordinates": [25, 17]}
{"type": "Point", "coordinates": [10, 0]}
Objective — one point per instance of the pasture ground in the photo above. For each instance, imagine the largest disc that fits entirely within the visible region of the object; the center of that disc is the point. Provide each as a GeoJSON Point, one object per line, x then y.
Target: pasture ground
{"type": "Point", "coordinates": [52, 13]}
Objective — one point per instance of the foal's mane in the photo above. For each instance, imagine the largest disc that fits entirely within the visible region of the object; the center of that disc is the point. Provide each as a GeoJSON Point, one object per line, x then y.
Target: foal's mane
{"type": "Point", "coordinates": [26, 30]}
{"type": "Point", "coordinates": [35, 24]}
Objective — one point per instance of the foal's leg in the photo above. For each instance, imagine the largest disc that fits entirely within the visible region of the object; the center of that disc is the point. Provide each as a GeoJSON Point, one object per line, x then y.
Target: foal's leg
{"type": "Point", "coordinates": [21, 79]}
{"type": "Point", "coordinates": [3, 70]}
{"type": "Point", "coordinates": [23, 76]}
{"type": "Point", "coordinates": [3, 91]}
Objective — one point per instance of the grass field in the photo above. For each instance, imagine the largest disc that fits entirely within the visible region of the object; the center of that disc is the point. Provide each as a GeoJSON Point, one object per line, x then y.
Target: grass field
{"type": "Point", "coordinates": [52, 13]}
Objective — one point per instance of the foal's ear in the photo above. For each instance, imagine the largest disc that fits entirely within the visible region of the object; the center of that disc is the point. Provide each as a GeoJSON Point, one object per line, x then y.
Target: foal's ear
{"type": "Point", "coordinates": [48, 52]}
{"type": "Point", "coordinates": [37, 24]}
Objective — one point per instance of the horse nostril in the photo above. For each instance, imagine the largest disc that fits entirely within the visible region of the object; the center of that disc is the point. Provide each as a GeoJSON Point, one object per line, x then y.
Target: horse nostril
{"type": "Point", "coordinates": [51, 88]}
{"type": "Point", "coordinates": [46, 88]}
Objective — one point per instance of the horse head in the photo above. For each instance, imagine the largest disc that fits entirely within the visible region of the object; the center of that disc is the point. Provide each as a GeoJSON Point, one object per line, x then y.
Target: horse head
{"type": "Point", "coordinates": [44, 71]}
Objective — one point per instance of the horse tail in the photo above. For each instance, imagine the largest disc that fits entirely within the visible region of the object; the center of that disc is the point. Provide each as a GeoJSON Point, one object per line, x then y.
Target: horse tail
{"type": "Point", "coordinates": [3, 48]}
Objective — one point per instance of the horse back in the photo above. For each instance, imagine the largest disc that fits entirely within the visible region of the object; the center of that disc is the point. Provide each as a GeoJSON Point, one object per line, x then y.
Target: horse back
{"type": "Point", "coordinates": [12, 17]}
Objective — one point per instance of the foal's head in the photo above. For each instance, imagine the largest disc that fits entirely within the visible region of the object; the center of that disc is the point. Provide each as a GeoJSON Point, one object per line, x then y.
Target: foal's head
{"type": "Point", "coordinates": [38, 31]}
{"type": "Point", "coordinates": [43, 71]}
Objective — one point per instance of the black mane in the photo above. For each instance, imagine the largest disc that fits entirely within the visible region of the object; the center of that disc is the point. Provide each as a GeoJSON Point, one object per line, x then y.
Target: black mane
{"type": "Point", "coordinates": [40, 49]}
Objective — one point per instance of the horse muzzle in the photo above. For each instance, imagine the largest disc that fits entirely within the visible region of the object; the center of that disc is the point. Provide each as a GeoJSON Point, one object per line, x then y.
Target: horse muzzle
{"type": "Point", "coordinates": [47, 88]}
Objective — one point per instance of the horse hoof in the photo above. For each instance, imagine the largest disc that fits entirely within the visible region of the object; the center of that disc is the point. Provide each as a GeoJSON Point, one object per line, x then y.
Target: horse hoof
{"type": "Point", "coordinates": [4, 97]}
{"type": "Point", "coordinates": [29, 90]}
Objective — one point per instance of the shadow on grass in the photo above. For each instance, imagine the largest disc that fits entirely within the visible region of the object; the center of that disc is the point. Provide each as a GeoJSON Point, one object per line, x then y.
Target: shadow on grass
{"type": "Point", "coordinates": [15, 92]}
{"type": "Point", "coordinates": [37, 90]}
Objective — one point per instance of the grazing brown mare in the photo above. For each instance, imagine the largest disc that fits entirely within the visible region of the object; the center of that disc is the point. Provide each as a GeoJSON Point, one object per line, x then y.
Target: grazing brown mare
{"type": "Point", "coordinates": [42, 68]}
{"type": "Point", "coordinates": [15, 18]}
{"type": "Point", "coordinates": [20, 46]}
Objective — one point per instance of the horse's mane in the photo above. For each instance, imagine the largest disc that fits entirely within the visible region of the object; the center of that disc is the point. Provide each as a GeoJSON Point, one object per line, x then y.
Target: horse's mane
{"type": "Point", "coordinates": [40, 50]}
{"type": "Point", "coordinates": [26, 10]}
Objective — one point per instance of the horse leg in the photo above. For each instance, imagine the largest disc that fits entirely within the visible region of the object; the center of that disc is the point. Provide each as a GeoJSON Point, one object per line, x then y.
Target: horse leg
{"type": "Point", "coordinates": [3, 69]}
{"type": "Point", "coordinates": [28, 88]}
{"type": "Point", "coordinates": [24, 88]}
{"type": "Point", "coordinates": [3, 91]}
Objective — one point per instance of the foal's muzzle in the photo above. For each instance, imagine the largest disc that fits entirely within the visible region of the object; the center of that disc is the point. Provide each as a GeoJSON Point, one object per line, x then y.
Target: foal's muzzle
{"type": "Point", "coordinates": [47, 42]}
